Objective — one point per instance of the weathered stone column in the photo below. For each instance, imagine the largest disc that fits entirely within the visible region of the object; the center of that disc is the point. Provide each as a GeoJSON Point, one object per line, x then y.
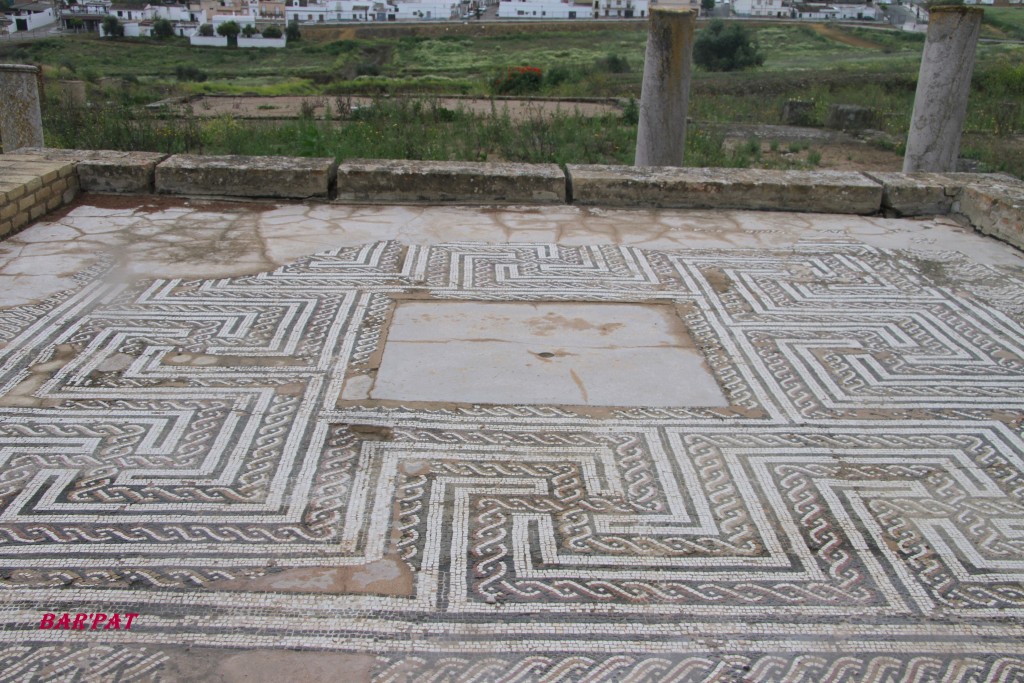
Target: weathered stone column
{"type": "Point", "coordinates": [665, 93]}
{"type": "Point", "coordinates": [21, 120]}
{"type": "Point", "coordinates": [940, 105]}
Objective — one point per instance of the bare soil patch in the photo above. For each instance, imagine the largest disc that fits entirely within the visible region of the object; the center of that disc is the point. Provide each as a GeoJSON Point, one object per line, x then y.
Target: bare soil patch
{"type": "Point", "coordinates": [844, 38]}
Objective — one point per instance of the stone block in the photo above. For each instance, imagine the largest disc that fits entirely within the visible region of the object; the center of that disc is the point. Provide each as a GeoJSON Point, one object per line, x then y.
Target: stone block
{"type": "Point", "coordinates": [450, 181]}
{"type": "Point", "coordinates": [995, 208]}
{"type": "Point", "coordinates": [238, 176]}
{"type": "Point", "coordinates": [119, 172]}
{"type": "Point", "coordinates": [925, 194]}
{"type": "Point", "coordinates": [36, 211]}
{"type": "Point", "coordinates": [53, 203]}
{"type": "Point", "coordinates": [70, 193]}
{"type": "Point", "coordinates": [850, 117]}
{"type": "Point", "coordinates": [715, 188]}
{"type": "Point", "coordinates": [916, 194]}
{"type": "Point", "coordinates": [27, 202]}
{"type": "Point", "coordinates": [11, 189]}
{"type": "Point", "coordinates": [5, 227]}
{"type": "Point", "coordinates": [7, 210]}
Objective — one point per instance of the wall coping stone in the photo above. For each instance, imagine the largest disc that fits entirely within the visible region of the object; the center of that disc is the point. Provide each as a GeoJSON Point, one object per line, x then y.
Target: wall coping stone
{"type": "Point", "coordinates": [714, 188]}
{"type": "Point", "coordinates": [995, 208]}
{"type": "Point", "coordinates": [926, 194]}
{"type": "Point", "coordinates": [107, 170]}
{"type": "Point", "coordinates": [404, 181]}
{"type": "Point", "coordinates": [240, 176]}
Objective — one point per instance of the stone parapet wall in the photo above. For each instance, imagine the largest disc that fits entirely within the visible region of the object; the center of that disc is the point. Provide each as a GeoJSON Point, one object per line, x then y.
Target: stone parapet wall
{"type": "Point", "coordinates": [991, 203]}
{"type": "Point", "coordinates": [444, 181]}
{"type": "Point", "coordinates": [31, 187]}
{"type": "Point", "coordinates": [725, 188]}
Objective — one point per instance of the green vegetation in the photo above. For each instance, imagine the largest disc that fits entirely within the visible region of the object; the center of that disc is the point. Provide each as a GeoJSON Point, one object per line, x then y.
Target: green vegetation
{"type": "Point", "coordinates": [162, 28]}
{"type": "Point", "coordinates": [112, 27]}
{"type": "Point", "coordinates": [230, 30]}
{"type": "Point", "coordinates": [825, 64]}
{"type": "Point", "coordinates": [1004, 22]}
{"type": "Point", "coordinates": [725, 46]}
{"type": "Point", "coordinates": [518, 80]}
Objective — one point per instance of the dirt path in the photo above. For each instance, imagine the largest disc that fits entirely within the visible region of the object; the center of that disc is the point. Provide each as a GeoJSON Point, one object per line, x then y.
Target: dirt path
{"type": "Point", "coordinates": [844, 38]}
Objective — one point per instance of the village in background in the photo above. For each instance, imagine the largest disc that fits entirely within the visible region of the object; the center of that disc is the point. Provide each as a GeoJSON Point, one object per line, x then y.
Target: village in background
{"type": "Point", "coordinates": [199, 20]}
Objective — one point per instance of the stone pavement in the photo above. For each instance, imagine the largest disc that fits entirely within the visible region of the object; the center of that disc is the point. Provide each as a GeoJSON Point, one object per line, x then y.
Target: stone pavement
{"type": "Point", "coordinates": [276, 433]}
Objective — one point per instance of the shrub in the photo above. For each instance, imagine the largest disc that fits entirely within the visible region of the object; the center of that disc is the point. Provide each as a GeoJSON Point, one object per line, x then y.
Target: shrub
{"type": "Point", "coordinates": [229, 29]}
{"type": "Point", "coordinates": [518, 80]}
{"type": "Point", "coordinates": [162, 28]}
{"type": "Point", "coordinates": [726, 47]}
{"type": "Point", "coordinates": [272, 32]}
{"type": "Point", "coordinates": [249, 31]}
{"type": "Point", "coordinates": [631, 112]}
{"type": "Point", "coordinates": [206, 30]}
{"type": "Point", "coordinates": [292, 31]}
{"type": "Point", "coordinates": [613, 64]}
{"type": "Point", "coordinates": [189, 73]}
{"type": "Point", "coordinates": [559, 74]}
{"type": "Point", "coordinates": [112, 27]}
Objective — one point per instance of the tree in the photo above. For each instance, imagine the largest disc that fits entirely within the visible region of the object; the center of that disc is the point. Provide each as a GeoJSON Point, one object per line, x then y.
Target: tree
{"type": "Point", "coordinates": [292, 31]}
{"type": "Point", "coordinates": [272, 32]}
{"type": "Point", "coordinates": [230, 30]}
{"type": "Point", "coordinates": [112, 27]}
{"type": "Point", "coordinates": [162, 28]}
{"type": "Point", "coordinates": [249, 31]}
{"type": "Point", "coordinates": [726, 47]}
{"type": "Point", "coordinates": [707, 5]}
{"type": "Point", "coordinates": [206, 30]}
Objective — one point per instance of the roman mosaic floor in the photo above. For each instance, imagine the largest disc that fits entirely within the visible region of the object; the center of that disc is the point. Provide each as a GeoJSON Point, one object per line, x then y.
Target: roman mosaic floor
{"type": "Point", "coordinates": [740, 447]}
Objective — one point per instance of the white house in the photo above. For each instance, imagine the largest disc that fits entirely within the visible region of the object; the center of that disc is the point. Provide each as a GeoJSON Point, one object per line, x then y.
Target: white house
{"type": "Point", "coordinates": [857, 11]}
{"type": "Point", "coordinates": [29, 15]}
{"type": "Point", "coordinates": [622, 9]}
{"type": "Point", "coordinates": [86, 15]}
{"type": "Point", "coordinates": [759, 8]}
{"type": "Point", "coordinates": [547, 9]}
{"type": "Point", "coordinates": [814, 10]}
{"type": "Point", "coordinates": [411, 10]}
{"type": "Point", "coordinates": [680, 4]}
{"type": "Point", "coordinates": [309, 12]}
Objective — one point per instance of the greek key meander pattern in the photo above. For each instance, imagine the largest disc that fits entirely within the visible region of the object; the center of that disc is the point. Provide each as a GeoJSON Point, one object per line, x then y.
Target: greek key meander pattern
{"type": "Point", "coordinates": [857, 513]}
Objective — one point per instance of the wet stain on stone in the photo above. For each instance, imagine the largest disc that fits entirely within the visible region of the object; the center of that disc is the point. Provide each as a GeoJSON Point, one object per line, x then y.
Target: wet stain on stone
{"type": "Point", "coordinates": [372, 432]}
{"type": "Point", "coordinates": [209, 360]}
{"type": "Point", "coordinates": [207, 665]}
{"type": "Point", "coordinates": [719, 281]}
{"type": "Point", "coordinates": [23, 395]}
{"type": "Point", "coordinates": [386, 576]}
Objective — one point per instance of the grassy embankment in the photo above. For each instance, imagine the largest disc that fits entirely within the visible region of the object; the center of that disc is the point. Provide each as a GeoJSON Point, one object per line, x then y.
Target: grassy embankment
{"type": "Point", "coordinates": [826, 65]}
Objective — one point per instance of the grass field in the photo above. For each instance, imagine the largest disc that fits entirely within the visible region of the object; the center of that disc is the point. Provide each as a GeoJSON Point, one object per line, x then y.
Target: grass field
{"type": "Point", "coordinates": [1004, 22]}
{"type": "Point", "coordinates": [822, 63]}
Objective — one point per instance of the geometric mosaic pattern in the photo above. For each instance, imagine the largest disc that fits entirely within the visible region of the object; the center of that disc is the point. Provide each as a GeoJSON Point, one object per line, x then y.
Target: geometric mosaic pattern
{"type": "Point", "coordinates": [856, 513]}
